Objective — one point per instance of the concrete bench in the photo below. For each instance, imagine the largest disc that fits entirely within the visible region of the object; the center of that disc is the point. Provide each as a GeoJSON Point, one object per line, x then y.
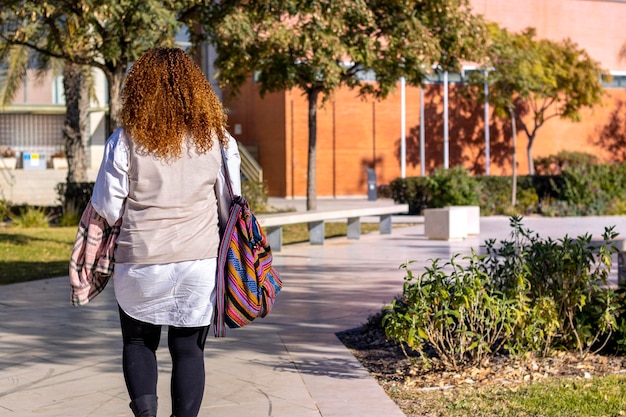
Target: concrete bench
{"type": "Point", "coordinates": [273, 223]}
{"type": "Point", "coordinates": [620, 245]}
{"type": "Point", "coordinates": [451, 222]}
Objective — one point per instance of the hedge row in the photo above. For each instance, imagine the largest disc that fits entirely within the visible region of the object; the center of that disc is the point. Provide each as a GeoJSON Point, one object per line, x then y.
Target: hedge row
{"type": "Point", "coordinates": [577, 190]}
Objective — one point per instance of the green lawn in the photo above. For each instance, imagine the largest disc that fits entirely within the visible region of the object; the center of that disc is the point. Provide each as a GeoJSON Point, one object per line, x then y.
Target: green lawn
{"type": "Point", "coordinates": [30, 254]}
{"type": "Point", "coordinates": [597, 397]}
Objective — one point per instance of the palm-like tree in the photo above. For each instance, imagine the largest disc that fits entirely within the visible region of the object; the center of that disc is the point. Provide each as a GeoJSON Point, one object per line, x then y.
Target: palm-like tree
{"type": "Point", "coordinates": [86, 34]}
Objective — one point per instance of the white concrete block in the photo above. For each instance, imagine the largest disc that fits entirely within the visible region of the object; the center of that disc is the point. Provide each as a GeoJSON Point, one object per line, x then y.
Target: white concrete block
{"type": "Point", "coordinates": [448, 223]}
{"type": "Point", "coordinates": [473, 219]}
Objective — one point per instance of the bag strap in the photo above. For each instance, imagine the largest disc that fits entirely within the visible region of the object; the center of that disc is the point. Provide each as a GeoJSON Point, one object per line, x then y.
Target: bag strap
{"type": "Point", "coordinates": [220, 285]}
{"type": "Point", "coordinates": [219, 326]}
{"type": "Point", "coordinates": [226, 173]}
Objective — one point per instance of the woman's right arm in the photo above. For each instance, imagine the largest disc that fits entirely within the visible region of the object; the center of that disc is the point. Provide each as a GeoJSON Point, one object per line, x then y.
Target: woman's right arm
{"type": "Point", "coordinates": [111, 187]}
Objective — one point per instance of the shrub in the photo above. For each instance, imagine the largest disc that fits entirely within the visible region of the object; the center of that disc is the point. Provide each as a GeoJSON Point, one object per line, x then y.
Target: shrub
{"type": "Point", "coordinates": [527, 201]}
{"type": "Point", "coordinates": [413, 191]}
{"type": "Point", "coordinates": [593, 189]}
{"type": "Point", "coordinates": [617, 208]}
{"type": "Point", "coordinates": [5, 209]}
{"type": "Point", "coordinates": [528, 294]}
{"type": "Point", "coordinates": [453, 187]}
{"type": "Point", "coordinates": [31, 217]}
{"type": "Point", "coordinates": [555, 164]}
{"type": "Point", "coordinates": [532, 194]}
{"type": "Point", "coordinates": [572, 272]}
{"type": "Point", "coordinates": [492, 193]}
{"type": "Point", "coordinates": [453, 309]}
{"type": "Point", "coordinates": [69, 217]}
{"type": "Point", "coordinates": [443, 188]}
{"type": "Point", "coordinates": [74, 197]}
{"type": "Point", "coordinates": [580, 192]}
{"type": "Point", "coordinates": [256, 193]}
{"type": "Point", "coordinates": [536, 328]}
{"type": "Point", "coordinates": [495, 194]}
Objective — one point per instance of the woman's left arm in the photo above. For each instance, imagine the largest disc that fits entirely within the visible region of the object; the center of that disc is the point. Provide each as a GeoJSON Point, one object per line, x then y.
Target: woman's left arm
{"type": "Point", "coordinates": [233, 162]}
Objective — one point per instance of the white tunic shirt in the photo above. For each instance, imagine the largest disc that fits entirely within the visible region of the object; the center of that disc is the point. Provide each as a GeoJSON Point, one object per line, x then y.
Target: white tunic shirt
{"type": "Point", "coordinates": [177, 294]}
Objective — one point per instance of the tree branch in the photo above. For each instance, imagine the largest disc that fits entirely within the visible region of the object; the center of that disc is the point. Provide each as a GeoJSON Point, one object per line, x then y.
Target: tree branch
{"type": "Point", "coordinates": [62, 56]}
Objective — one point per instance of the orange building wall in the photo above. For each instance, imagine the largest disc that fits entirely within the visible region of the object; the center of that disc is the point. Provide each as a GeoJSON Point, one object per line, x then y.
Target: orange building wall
{"type": "Point", "coordinates": [263, 129]}
{"type": "Point", "coordinates": [592, 134]}
{"type": "Point", "coordinates": [595, 25]}
{"type": "Point", "coordinates": [355, 133]}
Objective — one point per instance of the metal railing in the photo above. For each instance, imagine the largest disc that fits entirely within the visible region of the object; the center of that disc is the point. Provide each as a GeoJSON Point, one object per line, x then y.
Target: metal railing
{"type": "Point", "coordinates": [250, 168]}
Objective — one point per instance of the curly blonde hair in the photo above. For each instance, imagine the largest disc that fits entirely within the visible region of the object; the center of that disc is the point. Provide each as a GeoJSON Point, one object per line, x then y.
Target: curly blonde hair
{"type": "Point", "coordinates": [166, 98]}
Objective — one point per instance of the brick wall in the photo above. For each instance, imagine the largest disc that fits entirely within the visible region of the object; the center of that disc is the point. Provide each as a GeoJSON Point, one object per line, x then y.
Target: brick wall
{"type": "Point", "coordinates": [354, 134]}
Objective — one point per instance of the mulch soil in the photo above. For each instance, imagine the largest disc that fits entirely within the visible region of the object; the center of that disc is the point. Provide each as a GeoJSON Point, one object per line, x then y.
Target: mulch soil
{"type": "Point", "coordinates": [389, 365]}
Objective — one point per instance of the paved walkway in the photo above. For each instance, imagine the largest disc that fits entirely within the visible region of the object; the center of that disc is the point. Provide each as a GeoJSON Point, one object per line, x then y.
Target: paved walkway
{"type": "Point", "coordinates": [58, 360]}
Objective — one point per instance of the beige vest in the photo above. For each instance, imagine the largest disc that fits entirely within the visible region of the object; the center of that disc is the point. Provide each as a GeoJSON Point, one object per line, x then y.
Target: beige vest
{"type": "Point", "coordinates": [171, 209]}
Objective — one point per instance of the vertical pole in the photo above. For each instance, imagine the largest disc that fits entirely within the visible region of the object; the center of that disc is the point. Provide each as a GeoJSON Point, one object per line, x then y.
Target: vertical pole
{"type": "Point", "coordinates": [293, 149]}
{"type": "Point", "coordinates": [487, 145]}
{"type": "Point", "coordinates": [422, 135]}
{"type": "Point", "coordinates": [334, 152]}
{"type": "Point", "coordinates": [514, 157]}
{"type": "Point", "coordinates": [446, 155]}
{"type": "Point", "coordinates": [402, 127]}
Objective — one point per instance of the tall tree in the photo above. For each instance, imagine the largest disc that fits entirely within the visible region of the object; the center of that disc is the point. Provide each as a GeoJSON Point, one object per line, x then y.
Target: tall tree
{"type": "Point", "coordinates": [544, 78]}
{"type": "Point", "coordinates": [103, 34]}
{"type": "Point", "coordinates": [87, 34]}
{"type": "Point", "coordinates": [321, 45]}
{"type": "Point", "coordinates": [75, 129]}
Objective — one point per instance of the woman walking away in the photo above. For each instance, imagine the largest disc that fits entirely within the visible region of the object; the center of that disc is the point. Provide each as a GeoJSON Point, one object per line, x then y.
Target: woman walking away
{"type": "Point", "coordinates": [162, 175]}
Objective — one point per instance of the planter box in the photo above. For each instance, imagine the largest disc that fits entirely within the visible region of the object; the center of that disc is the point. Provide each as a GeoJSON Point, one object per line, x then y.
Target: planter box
{"type": "Point", "coordinates": [59, 162]}
{"type": "Point", "coordinates": [448, 223]}
{"type": "Point", "coordinates": [473, 219]}
{"type": "Point", "coordinates": [8, 163]}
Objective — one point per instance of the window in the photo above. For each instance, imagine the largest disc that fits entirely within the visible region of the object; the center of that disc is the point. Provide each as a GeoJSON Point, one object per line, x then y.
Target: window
{"type": "Point", "coordinates": [58, 92]}
{"type": "Point", "coordinates": [437, 77]}
{"type": "Point", "coordinates": [366, 75]}
{"type": "Point", "coordinates": [614, 79]}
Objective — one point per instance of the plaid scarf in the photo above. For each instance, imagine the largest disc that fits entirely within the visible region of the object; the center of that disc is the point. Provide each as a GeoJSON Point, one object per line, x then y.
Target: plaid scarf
{"type": "Point", "coordinates": [92, 261]}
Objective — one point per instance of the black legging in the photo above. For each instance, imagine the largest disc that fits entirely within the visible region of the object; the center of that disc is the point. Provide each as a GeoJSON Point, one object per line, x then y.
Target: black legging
{"type": "Point", "coordinates": [186, 345]}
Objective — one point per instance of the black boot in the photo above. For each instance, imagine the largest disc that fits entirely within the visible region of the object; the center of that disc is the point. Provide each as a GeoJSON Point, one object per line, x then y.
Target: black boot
{"type": "Point", "coordinates": [144, 406]}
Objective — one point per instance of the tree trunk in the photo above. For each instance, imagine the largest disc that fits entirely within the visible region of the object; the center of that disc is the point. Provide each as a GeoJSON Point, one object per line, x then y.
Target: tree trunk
{"type": "Point", "coordinates": [514, 156]}
{"type": "Point", "coordinates": [311, 191]}
{"type": "Point", "coordinates": [75, 125]}
{"type": "Point", "coordinates": [529, 153]}
{"type": "Point", "coordinates": [115, 80]}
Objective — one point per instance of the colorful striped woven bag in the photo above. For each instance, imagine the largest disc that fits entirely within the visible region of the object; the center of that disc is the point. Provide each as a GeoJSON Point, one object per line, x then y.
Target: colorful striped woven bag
{"type": "Point", "coordinates": [247, 284]}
